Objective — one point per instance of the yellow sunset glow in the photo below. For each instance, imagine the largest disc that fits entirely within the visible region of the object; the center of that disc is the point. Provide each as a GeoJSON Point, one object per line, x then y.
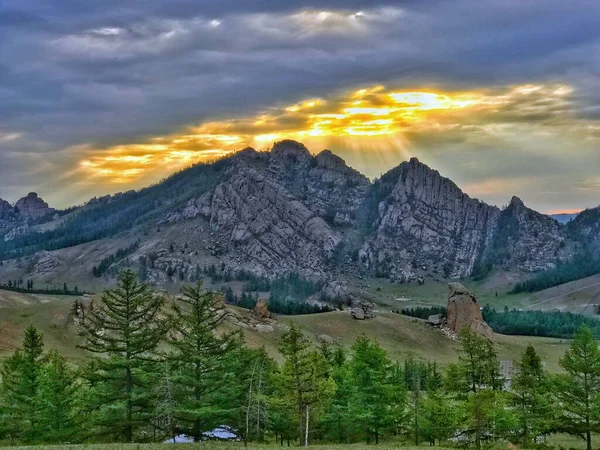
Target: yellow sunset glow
{"type": "Point", "coordinates": [369, 115]}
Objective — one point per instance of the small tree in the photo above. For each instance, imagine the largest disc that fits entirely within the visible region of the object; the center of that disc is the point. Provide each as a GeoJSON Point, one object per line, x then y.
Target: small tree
{"type": "Point", "coordinates": [579, 389]}
{"type": "Point", "coordinates": [20, 388]}
{"type": "Point", "coordinates": [373, 396]}
{"type": "Point", "coordinates": [480, 370]}
{"type": "Point", "coordinates": [530, 397]}
{"type": "Point", "coordinates": [57, 392]}
{"type": "Point", "coordinates": [304, 379]}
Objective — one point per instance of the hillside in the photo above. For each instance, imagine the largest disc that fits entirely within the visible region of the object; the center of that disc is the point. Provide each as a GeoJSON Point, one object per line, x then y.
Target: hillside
{"type": "Point", "coordinates": [398, 335]}
{"type": "Point", "coordinates": [286, 211]}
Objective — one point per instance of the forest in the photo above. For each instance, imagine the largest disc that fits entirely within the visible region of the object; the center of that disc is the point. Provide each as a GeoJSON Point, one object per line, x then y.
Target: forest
{"type": "Point", "coordinates": [156, 371]}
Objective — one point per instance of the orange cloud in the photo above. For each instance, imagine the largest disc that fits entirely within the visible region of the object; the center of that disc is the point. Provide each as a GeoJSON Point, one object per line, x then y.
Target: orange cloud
{"type": "Point", "coordinates": [368, 115]}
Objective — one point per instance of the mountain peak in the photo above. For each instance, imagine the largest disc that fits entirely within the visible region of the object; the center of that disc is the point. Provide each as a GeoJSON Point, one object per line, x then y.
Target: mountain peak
{"type": "Point", "coordinates": [290, 149]}
{"type": "Point", "coordinates": [516, 201]}
{"type": "Point", "coordinates": [32, 206]}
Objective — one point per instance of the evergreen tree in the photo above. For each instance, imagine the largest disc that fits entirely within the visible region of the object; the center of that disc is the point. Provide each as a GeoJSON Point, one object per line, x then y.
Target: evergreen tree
{"type": "Point", "coordinates": [530, 396]}
{"type": "Point", "coordinates": [439, 417]}
{"type": "Point", "coordinates": [480, 369]}
{"type": "Point", "coordinates": [373, 395]}
{"type": "Point", "coordinates": [125, 329]}
{"type": "Point", "coordinates": [337, 419]}
{"type": "Point", "coordinates": [304, 380]}
{"type": "Point", "coordinates": [57, 393]}
{"type": "Point", "coordinates": [198, 357]}
{"type": "Point", "coordinates": [579, 389]}
{"type": "Point", "coordinates": [20, 388]}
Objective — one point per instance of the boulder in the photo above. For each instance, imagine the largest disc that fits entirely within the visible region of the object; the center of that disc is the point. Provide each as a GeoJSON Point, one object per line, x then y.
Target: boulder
{"type": "Point", "coordinates": [464, 311]}
{"type": "Point", "coordinates": [362, 311]}
{"type": "Point", "coordinates": [357, 314]}
{"type": "Point", "coordinates": [434, 320]}
{"type": "Point", "coordinates": [261, 310]}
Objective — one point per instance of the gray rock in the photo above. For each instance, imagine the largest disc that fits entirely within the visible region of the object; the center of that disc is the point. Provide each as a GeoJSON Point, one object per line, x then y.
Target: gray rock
{"type": "Point", "coordinates": [32, 206]}
{"type": "Point", "coordinates": [325, 338]}
{"type": "Point", "coordinates": [334, 291]}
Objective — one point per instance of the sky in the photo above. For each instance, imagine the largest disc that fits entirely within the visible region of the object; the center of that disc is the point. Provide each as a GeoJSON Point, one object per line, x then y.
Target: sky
{"type": "Point", "coordinates": [501, 96]}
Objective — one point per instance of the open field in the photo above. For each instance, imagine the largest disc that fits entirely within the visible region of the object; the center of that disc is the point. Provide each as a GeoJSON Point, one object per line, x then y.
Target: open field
{"type": "Point", "coordinates": [400, 336]}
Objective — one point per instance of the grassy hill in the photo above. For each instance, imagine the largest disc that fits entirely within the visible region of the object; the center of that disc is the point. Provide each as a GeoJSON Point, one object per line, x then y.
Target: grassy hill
{"type": "Point", "coordinates": [400, 336]}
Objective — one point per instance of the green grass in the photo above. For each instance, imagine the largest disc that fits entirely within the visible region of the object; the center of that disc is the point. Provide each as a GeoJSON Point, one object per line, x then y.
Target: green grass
{"type": "Point", "coordinates": [400, 336]}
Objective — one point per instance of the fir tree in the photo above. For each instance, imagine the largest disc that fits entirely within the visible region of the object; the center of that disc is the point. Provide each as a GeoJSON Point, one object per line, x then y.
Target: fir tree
{"type": "Point", "coordinates": [530, 396]}
{"type": "Point", "coordinates": [20, 388]}
{"type": "Point", "coordinates": [125, 329]}
{"type": "Point", "coordinates": [304, 379]}
{"type": "Point", "coordinates": [373, 395]}
{"type": "Point", "coordinates": [57, 393]}
{"type": "Point", "coordinates": [579, 388]}
{"type": "Point", "coordinates": [198, 357]}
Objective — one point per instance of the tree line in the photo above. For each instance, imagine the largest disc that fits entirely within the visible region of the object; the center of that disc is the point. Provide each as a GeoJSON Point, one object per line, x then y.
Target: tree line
{"type": "Point", "coordinates": [28, 288]}
{"type": "Point", "coordinates": [580, 266]}
{"type": "Point", "coordinates": [157, 371]}
{"type": "Point", "coordinates": [286, 307]}
{"type": "Point", "coordinates": [555, 324]}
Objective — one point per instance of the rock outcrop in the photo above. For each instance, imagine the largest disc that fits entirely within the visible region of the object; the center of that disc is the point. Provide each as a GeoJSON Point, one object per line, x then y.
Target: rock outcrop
{"type": "Point", "coordinates": [363, 311]}
{"type": "Point", "coordinates": [32, 206]}
{"type": "Point", "coordinates": [266, 225]}
{"type": "Point", "coordinates": [464, 311]}
{"type": "Point", "coordinates": [45, 263]}
{"type": "Point", "coordinates": [261, 310]}
{"type": "Point", "coordinates": [7, 212]}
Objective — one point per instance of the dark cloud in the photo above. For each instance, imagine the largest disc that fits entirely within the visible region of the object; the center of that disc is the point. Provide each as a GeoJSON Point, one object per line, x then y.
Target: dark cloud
{"type": "Point", "coordinates": [104, 72]}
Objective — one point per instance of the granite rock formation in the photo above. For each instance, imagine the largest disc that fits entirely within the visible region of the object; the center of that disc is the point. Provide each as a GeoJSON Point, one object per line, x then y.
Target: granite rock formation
{"type": "Point", "coordinates": [464, 311]}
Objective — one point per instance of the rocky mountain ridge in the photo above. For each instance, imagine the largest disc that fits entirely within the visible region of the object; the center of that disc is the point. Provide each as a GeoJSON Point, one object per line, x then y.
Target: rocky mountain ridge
{"type": "Point", "coordinates": [287, 211]}
{"type": "Point", "coordinates": [14, 220]}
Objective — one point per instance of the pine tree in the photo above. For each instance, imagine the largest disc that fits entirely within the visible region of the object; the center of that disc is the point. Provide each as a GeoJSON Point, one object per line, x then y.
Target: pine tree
{"type": "Point", "coordinates": [198, 357]}
{"type": "Point", "coordinates": [480, 370]}
{"type": "Point", "coordinates": [579, 389]}
{"type": "Point", "coordinates": [57, 393]}
{"type": "Point", "coordinates": [126, 329]}
{"type": "Point", "coordinates": [304, 379]}
{"type": "Point", "coordinates": [20, 388]}
{"type": "Point", "coordinates": [530, 396]}
{"type": "Point", "coordinates": [439, 417]}
{"type": "Point", "coordinates": [373, 394]}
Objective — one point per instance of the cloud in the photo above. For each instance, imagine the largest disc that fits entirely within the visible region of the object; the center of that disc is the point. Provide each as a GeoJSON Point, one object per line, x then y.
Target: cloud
{"type": "Point", "coordinates": [99, 75]}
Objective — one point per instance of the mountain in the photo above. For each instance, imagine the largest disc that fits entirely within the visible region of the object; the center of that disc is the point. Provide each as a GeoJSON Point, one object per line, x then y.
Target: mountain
{"type": "Point", "coordinates": [270, 214]}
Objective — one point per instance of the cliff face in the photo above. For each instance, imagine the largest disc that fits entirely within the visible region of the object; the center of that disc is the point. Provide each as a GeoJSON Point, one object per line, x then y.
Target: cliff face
{"type": "Point", "coordinates": [263, 223]}
{"type": "Point", "coordinates": [426, 222]}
